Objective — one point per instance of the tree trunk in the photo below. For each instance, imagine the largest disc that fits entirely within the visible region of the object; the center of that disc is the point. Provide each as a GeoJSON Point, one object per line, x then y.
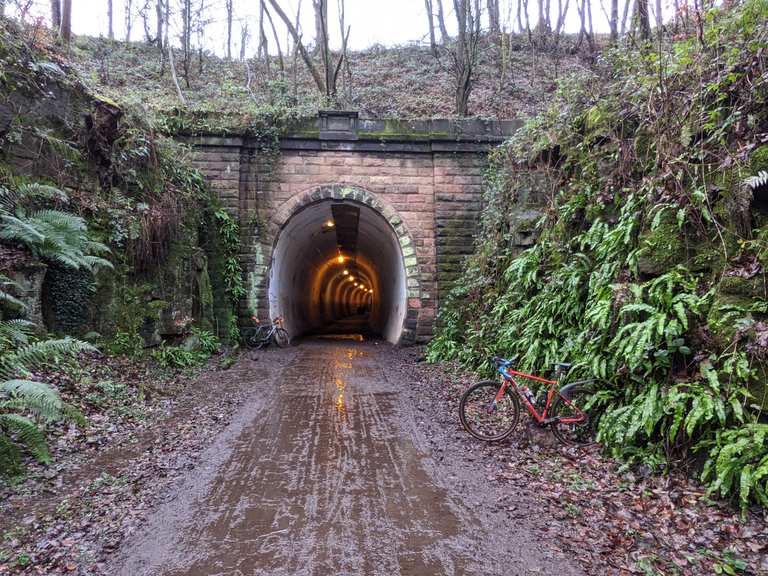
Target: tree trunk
{"type": "Point", "coordinates": [628, 9]}
{"type": "Point", "coordinates": [431, 22]}
{"type": "Point", "coordinates": [66, 21]}
{"type": "Point", "coordinates": [300, 46]}
{"type": "Point", "coordinates": [643, 20]}
{"type": "Point", "coordinates": [520, 16]}
{"type": "Point", "coordinates": [277, 42]}
{"type": "Point", "coordinates": [172, 65]}
{"type": "Point", "coordinates": [128, 19]}
{"type": "Point", "coordinates": [160, 18]}
{"type": "Point", "coordinates": [229, 29]}
{"type": "Point", "coordinates": [110, 20]}
{"type": "Point", "coordinates": [614, 20]}
{"type": "Point", "coordinates": [2, 8]}
{"type": "Point", "coordinates": [441, 22]}
{"type": "Point", "coordinates": [659, 16]}
{"type": "Point", "coordinates": [263, 44]}
{"type": "Point", "coordinates": [494, 17]}
{"type": "Point", "coordinates": [55, 14]}
{"type": "Point", "coordinates": [243, 40]}
{"type": "Point", "coordinates": [321, 21]}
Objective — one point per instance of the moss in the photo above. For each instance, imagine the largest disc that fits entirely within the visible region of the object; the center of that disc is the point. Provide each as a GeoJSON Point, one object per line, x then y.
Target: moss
{"type": "Point", "coordinates": [755, 287]}
{"type": "Point", "coordinates": [663, 245]}
{"type": "Point", "coordinates": [722, 314]}
{"type": "Point", "coordinates": [758, 160]}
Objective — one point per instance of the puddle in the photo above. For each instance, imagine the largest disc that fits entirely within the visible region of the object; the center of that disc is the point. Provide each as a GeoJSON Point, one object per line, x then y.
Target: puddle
{"type": "Point", "coordinates": [324, 482]}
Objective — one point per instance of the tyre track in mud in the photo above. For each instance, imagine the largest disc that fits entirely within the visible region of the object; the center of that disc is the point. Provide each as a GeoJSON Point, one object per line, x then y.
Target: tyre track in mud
{"type": "Point", "coordinates": [323, 472]}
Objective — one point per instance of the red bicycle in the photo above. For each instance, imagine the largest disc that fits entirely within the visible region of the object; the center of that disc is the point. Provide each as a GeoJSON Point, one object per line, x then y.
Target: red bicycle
{"type": "Point", "coordinates": [490, 410]}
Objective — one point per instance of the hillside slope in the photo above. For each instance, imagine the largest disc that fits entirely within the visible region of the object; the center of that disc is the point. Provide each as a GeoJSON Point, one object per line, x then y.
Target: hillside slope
{"type": "Point", "coordinates": [403, 81]}
{"type": "Point", "coordinates": [645, 188]}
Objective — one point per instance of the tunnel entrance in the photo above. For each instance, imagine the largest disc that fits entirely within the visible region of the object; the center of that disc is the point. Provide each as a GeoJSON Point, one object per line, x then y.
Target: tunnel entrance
{"type": "Point", "coordinates": [337, 268]}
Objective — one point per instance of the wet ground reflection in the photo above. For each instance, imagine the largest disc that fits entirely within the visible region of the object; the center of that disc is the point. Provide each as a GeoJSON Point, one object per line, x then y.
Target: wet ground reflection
{"type": "Point", "coordinates": [326, 481]}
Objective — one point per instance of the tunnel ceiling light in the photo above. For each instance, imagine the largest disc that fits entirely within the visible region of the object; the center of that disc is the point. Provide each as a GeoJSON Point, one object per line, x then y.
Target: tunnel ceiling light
{"type": "Point", "coordinates": [329, 224]}
{"type": "Point", "coordinates": [346, 272]}
{"type": "Point", "coordinates": [356, 284]}
{"type": "Point", "coordinates": [352, 278]}
{"type": "Point", "coordinates": [340, 259]}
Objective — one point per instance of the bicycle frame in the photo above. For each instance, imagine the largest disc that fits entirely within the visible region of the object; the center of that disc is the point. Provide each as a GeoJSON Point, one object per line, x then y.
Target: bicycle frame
{"type": "Point", "coordinates": [507, 377]}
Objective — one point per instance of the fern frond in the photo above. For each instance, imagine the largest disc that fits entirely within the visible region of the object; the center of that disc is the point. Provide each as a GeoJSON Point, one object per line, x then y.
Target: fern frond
{"type": "Point", "coordinates": [15, 332]}
{"type": "Point", "coordinates": [37, 398]}
{"type": "Point", "coordinates": [26, 433]}
{"type": "Point", "coordinates": [757, 181]}
{"type": "Point", "coordinates": [17, 230]}
{"type": "Point", "coordinates": [35, 191]}
{"type": "Point", "coordinates": [36, 355]}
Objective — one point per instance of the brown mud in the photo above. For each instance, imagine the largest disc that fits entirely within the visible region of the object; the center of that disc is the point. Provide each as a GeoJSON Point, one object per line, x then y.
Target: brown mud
{"type": "Point", "coordinates": [325, 470]}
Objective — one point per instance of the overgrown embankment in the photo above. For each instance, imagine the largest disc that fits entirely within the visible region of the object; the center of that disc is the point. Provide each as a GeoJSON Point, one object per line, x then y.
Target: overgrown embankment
{"type": "Point", "coordinates": [644, 186]}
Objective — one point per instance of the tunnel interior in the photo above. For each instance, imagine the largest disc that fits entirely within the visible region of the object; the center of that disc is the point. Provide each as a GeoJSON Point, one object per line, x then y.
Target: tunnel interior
{"type": "Point", "coordinates": [337, 268]}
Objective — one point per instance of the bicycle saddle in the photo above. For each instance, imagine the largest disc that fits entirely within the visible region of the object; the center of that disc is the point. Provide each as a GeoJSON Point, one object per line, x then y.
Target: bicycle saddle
{"type": "Point", "coordinates": [563, 366]}
{"type": "Point", "coordinates": [498, 361]}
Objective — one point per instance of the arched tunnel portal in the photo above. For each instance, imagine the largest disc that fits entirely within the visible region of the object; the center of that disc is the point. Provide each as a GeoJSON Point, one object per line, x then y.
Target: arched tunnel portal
{"type": "Point", "coordinates": [337, 267]}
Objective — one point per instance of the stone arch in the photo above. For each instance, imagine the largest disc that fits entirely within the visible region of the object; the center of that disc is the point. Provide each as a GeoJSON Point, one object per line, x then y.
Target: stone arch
{"type": "Point", "coordinates": [355, 195]}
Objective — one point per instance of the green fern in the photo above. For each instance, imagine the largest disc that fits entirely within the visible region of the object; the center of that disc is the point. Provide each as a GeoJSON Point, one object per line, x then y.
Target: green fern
{"type": "Point", "coordinates": [50, 234]}
{"type": "Point", "coordinates": [33, 356]}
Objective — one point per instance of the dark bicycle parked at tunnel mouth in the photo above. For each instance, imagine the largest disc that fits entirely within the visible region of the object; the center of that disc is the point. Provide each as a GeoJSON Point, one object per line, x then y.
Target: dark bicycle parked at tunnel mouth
{"type": "Point", "coordinates": [262, 335]}
{"type": "Point", "coordinates": [490, 410]}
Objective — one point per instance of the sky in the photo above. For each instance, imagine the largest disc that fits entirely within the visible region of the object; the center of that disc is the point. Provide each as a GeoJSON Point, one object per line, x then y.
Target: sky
{"type": "Point", "coordinates": [385, 22]}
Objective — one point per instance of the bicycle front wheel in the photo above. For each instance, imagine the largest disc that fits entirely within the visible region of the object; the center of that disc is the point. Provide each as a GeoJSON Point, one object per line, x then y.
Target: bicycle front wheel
{"type": "Point", "coordinates": [580, 433]}
{"type": "Point", "coordinates": [485, 419]}
{"type": "Point", "coordinates": [281, 338]}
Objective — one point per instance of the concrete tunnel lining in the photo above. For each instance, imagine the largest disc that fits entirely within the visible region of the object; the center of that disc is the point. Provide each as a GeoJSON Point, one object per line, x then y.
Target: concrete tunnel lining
{"type": "Point", "coordinates": [306, 281]}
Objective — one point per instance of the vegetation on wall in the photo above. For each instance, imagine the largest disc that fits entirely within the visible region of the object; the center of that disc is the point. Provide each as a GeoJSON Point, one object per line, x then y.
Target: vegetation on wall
{"type": "Point", "coordinates": [649, 269]}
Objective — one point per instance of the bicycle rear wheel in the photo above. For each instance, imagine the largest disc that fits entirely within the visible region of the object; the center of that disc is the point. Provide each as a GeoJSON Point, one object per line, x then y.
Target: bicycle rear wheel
{"type": "Point", "coordinates": [574, 433]}
{"type": "Point", "coordinates": [484, 419]}
{"type": "Point", "coordinates": [281, 338]}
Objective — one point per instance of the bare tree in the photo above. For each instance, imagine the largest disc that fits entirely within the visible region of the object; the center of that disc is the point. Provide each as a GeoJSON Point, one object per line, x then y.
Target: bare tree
{"type": "Point", "coordinates": [628, 8]}
{"type": "Point", "coordinates": [326, 83]}
{"type": "Point", "coordinates": [613, 20]}
{"type": "Point", "coordinates": [321, 22]}
{"type": "Point", "coordinates": [584, 10]}
{"type": "Point", "coordinates": [2, 8]}
{"type": "Point", "coordinates": [562, 13]}
{"type": "Point", "coordinates": [160, 19]}
{"type": "Point", "coordinates": [66, 21]}
{"type": "Point", "coordinates": [643, 20]}
{"type": "Point", "coordinates": [659, 20]}
{"type": "Point", "coordinates": [128, 19]}
{"type": "Point", "coordinates": [441, 22]}
{"type": "Point", "coordinates": [463, 54]}
{"type": "Point", "coordinates": [229, 28]}
{"type": "Point", "coordinates": [110, 20]}
{"type": "Point", "coordinates": [186, 38]}
{"type": "Point", "coordinates": [494, 17]}
{"type": "Point", "coordinates": [244, 35]}
{"type": "Point", "coordinates": [431, 22]}
{"type": "Point", "coordinates": [277, 42]}
{"type": "Point", "coordinates": [144, 13]}
{"type": "Point", "coordinates": [56, 14]}
{"type": "Point", "coordinates": [263, 43]}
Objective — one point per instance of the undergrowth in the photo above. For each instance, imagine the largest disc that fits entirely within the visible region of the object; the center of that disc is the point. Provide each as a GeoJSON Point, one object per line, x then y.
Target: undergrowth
{"type": "Point", "coordinates": [648, 270]}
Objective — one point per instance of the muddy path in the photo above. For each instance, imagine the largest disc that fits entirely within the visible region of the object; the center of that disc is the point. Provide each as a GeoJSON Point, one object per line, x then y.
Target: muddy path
{"type": "Point", "coordinates": [324, 470]}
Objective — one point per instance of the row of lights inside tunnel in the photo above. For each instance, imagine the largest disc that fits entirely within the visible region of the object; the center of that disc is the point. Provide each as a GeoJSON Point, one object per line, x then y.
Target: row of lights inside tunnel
{"type": "Point", "coordinates": [341, 259]}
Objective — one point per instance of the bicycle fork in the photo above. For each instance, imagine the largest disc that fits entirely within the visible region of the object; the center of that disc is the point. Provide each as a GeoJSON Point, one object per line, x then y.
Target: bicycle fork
{"type": "Point", "coordinates": [498, 397]}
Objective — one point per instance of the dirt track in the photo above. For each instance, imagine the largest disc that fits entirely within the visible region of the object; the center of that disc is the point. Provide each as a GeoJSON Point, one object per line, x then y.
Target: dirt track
{"type": "Point", "coordinates": [324, 470]}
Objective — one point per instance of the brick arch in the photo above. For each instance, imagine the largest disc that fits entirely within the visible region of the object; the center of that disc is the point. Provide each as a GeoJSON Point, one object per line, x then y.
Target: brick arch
{"type": "Point", "coordinates": [356, 194]}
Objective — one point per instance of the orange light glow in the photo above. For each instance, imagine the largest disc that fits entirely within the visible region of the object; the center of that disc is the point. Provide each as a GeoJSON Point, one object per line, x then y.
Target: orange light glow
{"type": "Point", "coordinates": [340, 259]}
{"type": "Point", "coordinates": [330, 224]}
{"type": "Point", "coordinates": [346, 272]}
